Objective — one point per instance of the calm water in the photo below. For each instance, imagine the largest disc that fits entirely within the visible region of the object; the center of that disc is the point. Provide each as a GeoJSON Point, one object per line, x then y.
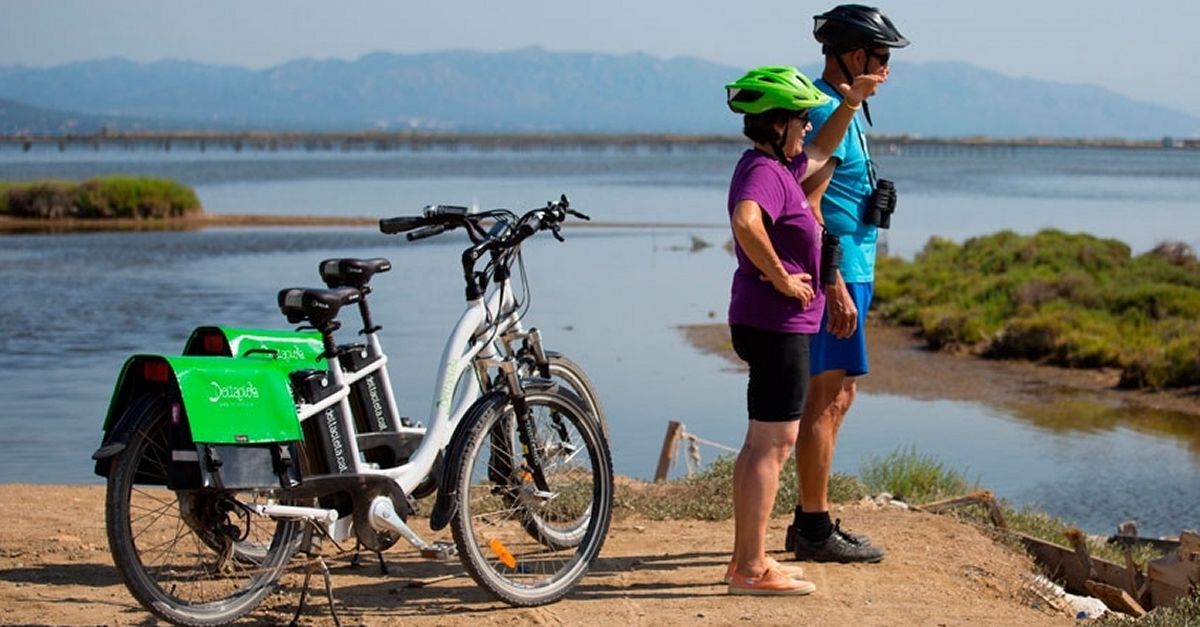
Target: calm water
{"type": "Point", "coordinates": [74, 306]}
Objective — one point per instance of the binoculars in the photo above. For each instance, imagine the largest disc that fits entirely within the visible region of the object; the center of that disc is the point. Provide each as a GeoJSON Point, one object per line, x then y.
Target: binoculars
{"type": "Point", "coordinates": [881, 204]}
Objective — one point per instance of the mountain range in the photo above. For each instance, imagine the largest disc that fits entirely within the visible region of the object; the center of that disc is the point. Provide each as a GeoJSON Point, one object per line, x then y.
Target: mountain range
{"type": "Point", "coordinates": [532, 89]}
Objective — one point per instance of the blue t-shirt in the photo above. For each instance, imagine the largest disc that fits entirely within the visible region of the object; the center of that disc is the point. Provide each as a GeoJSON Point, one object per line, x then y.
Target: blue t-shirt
{"type": "Point", "coordinates": [795, 236]}
{"type": "Point", "coordinates": [845, 200]}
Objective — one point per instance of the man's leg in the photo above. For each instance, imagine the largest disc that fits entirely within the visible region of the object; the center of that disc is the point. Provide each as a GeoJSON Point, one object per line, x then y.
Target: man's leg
{"type": "Point", "coordinates": [813, 535]}
{"type": "Point", "coordinates": [817, 438]}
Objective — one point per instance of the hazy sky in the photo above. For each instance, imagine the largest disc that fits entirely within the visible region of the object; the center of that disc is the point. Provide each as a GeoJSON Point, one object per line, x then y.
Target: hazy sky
{"type": "Point", "coordinates": [1148, 50]}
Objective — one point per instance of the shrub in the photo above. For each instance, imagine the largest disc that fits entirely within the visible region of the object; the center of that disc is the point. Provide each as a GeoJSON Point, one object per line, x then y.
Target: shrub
{"type": "Point", "coordinates": [1026, 338]}
{"type": "Point", "coordinates": [48, 200]}
{"type": "Point", "coordinates": [708, 495]}
{"type": "Point", "coordinates": [914, 478]}
{"type": "Point", "coordinates": [106, 197]}
{"type": "Point", "coordinates": [1069, 299]}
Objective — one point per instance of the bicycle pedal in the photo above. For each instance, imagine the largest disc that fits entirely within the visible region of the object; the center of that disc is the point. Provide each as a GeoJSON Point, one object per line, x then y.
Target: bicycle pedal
{"type": "Point", "coordinates": [439, 550]}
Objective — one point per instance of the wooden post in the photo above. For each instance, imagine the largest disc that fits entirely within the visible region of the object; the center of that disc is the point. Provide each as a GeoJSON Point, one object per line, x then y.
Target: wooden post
{"type": "Point", "coordinates": [674, 430]}
{"type": "Point", "coordinates": [983, 497]}
{"type": "Point", "coordinates": [1075, 537]}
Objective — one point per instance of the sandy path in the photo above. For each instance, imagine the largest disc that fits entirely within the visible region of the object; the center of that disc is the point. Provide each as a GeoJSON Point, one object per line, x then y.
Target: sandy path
{"type": "Point", "coordinates": [55, 570]}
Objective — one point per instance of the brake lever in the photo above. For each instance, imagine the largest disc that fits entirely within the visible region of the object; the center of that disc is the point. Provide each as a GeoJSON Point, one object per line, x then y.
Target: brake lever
{"type": "Point", "coordinates": [554, 230]}
{"type": "Point", "coordinates": [579, 214]}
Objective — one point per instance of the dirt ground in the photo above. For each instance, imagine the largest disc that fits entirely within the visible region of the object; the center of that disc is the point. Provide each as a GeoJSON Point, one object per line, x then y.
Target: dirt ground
{"type": "Point", "coordinates": [55, 569]}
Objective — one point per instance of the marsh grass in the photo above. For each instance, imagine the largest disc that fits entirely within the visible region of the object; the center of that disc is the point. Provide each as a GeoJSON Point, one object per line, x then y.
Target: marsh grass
{"type": "Point", "coordinates": [914, 478]}
{"type": "Point", "coordinates": [1071, 300]}
{"type": "Point", "coordinates": [708, 495]}
{"type": "Point", "coordinates": [109, 197]}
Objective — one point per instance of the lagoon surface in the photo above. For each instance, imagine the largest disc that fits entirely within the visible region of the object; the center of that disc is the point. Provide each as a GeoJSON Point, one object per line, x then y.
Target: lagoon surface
{"type": "Point", "coordinates": [74, 306]}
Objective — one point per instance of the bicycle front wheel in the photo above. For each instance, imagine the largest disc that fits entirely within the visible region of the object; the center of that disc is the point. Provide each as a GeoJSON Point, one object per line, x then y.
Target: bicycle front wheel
{"type": "Point", "coordinates": [499, 497]}
{"type": "Point", "coordinates": [196, 557]}
{"type": "Point", "coordinates": [564, 370]}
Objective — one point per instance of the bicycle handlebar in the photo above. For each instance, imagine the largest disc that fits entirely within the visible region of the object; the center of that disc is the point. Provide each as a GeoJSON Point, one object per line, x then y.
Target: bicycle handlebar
{"type": "Point", "coordinates": [509, 232]}
{"type": "Point", "coordinates": [451, 210]}
{"type": "Point", "coordinates": [426, 231]}
{"type": "Point", "coordinates": [392, 226]}
{"type": "Point", "coordinates": [505, 236]}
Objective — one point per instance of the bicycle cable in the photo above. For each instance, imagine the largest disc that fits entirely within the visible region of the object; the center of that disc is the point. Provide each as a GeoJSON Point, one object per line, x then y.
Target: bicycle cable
{"type": "Point", "coordinates": [526, 294]}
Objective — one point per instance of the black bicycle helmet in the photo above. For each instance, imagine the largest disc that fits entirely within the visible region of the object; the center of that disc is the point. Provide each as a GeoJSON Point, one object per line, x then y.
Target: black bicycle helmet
{"type": "Point", "coordinates": [854, 26]}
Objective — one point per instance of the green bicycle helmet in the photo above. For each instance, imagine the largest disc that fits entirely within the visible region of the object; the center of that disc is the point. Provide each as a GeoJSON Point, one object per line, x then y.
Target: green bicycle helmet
{"type": "Point", "coordinates": [773, 87]}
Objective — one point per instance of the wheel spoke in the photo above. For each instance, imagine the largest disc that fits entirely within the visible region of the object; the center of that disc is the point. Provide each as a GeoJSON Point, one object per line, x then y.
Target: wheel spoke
{"type": "Point", "coordinates": [177, 548]}
{"type": "Point", "coordinates": [525, 544]}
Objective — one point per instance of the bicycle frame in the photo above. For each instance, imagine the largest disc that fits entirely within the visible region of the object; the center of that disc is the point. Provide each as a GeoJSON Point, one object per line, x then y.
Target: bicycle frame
{"type": "Point", "coordinates": [470, 348]}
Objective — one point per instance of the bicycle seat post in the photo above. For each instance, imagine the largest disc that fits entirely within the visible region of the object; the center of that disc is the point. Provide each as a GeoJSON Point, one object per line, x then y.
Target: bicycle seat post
{"type": "Point", "coordinates": [355, 273]}
{"type": "Point", "coordinates": [369, 326]}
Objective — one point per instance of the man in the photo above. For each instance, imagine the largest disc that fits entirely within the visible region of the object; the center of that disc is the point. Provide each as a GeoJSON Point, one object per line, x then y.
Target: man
{"type": "Point", "coordinates": [855, 39]}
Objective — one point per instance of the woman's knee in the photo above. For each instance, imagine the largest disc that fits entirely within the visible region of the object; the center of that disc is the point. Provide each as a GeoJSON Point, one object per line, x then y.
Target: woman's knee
{"type": "Point", "coordinates": [772, 438]}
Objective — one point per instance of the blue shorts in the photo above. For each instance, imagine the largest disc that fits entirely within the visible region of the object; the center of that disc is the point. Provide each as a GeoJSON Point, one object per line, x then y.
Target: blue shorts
{"type": "Point", "coordinates": [830, 353]}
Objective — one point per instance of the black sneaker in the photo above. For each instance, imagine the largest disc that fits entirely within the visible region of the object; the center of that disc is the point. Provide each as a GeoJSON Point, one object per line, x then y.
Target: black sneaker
{"type": "Point", "coordinates": [857, 538]}
{"type": "Point", "coordinates": [836, 548]}
{"type": "Point", "coordinates": [789, 539]}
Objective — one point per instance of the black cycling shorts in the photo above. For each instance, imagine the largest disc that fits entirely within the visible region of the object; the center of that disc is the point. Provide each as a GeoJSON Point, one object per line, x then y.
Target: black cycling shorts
{"type": "Point", "coordinates": [779, 367]}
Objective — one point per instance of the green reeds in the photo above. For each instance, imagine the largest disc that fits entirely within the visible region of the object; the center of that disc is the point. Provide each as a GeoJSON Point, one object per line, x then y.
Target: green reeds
{"type": "Point", "coordinates": [103, 197]}
{"type": "Point", "coordinates": [1071, 300]}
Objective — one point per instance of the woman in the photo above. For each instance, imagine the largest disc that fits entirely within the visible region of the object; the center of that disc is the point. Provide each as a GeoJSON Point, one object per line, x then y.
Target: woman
{"type": "Point", "coordinates": [776, 300]}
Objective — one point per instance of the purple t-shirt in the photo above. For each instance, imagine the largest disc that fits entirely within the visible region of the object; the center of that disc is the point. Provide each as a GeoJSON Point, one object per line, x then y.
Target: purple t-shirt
{"type": "Point", "coordinates": [795, 235]}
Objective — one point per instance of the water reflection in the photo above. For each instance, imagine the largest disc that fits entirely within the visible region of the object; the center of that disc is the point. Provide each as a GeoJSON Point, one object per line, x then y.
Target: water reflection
{"type": "Point", "coordinates": [1065, 414]}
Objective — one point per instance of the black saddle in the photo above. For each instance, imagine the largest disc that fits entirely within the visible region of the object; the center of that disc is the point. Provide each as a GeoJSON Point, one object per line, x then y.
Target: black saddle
{"type": "Point", "coordinates": [352, 272]}
{"type": "Point", "coordinates": [317, 306]}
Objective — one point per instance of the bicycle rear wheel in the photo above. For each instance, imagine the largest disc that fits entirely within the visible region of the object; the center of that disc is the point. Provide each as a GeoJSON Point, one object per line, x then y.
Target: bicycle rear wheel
{"type": "Point", "coordinates": [499, 501]}
{"type": "Point", "coordinates": [196, 557]}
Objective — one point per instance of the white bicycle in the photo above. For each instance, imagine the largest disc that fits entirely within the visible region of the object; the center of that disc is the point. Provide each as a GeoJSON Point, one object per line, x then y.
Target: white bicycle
{"type": "Point", "coordinates": [205, 507]}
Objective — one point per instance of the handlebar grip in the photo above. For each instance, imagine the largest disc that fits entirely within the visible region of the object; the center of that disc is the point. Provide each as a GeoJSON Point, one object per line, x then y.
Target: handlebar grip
{"type": "Point", "coordinates": [446, 210]}
{"type": "Point", "coordinates": [429, 231]}
{"type": "Point", "coordinates": [392, 226]}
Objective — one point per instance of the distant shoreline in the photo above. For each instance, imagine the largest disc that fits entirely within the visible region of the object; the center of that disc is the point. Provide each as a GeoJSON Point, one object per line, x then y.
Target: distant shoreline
{"type": "Point", "coordinates": [423, 140]}
{"type": "Point", "coordinates": [10, 225]}
{"type": "Point", "coordinates": [903, 365]}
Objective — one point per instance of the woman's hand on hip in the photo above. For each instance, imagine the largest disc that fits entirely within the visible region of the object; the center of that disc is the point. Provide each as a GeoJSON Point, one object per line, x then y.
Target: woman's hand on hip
{"type": "Point", "coordinates": [798, 286]}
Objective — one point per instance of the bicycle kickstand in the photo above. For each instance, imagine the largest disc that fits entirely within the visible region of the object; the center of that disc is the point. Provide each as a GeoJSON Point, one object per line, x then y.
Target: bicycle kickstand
{"type": "Point", "coordinates": [315, 562]}
{"type": "Point", "coordinates": [356, 559]}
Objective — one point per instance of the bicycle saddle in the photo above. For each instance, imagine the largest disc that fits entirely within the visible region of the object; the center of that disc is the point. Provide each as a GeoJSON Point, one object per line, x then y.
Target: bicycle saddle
{"type": "Point", "coordinates": [352, 272]}
{"type": "Point", "coordinates": [318, 306]}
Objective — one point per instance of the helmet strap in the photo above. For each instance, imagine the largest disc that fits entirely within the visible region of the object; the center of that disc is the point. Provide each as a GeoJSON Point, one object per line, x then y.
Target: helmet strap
{"type": "Point", "coordinates": [866, 107]}
{"type": "Point", "coordinates": [850, 80]}
{"type": "Point", "coordinates": [778, 145]}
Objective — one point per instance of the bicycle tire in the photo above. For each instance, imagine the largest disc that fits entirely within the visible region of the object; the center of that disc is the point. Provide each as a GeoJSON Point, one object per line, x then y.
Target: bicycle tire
{"type": "Point", "coordinates": [564, 370]}
{"type": "Point", "coordinates": [164, 542]}
{"type": "Point", "coordinates": [494, 500]}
